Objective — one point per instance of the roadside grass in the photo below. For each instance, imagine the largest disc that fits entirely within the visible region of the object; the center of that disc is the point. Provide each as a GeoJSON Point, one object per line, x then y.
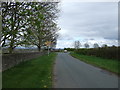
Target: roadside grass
{"type": "Point", "coordinates": [107, 64]}
{"type": "Point", "coordinates": [36, 73]}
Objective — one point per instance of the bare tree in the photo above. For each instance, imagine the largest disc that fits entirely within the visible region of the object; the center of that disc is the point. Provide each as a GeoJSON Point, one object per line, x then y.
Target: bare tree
{"type": "Point", "coordinates": [77, 44]}
{"type": "Point", "coordinates": [95, 45]}
{"type": "Point", "coordinates": [104, 45]}
{"type": "Point", "coordinates": [86, 45]}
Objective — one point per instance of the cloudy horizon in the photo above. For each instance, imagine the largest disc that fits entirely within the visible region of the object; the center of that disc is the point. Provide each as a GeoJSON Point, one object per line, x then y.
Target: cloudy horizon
{"type": "Point", "coordinates": [88, 22]}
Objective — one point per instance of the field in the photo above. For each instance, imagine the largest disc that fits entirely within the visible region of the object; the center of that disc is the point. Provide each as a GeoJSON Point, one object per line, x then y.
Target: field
{"type": "Point", "coordinates": [36, 73]}
{"type": "Point", "coordinates": [108, 64]}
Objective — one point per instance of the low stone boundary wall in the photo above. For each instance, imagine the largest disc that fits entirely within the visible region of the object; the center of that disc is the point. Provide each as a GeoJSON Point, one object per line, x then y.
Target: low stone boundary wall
{"type": "Point", "coordinates": [10, 60]}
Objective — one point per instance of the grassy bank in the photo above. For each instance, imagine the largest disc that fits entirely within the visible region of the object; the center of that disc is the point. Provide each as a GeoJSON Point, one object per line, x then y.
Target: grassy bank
{"type": "Point", "coordinates": [110, 65]}
{"type": "Point", "coordinates": [36, 73]}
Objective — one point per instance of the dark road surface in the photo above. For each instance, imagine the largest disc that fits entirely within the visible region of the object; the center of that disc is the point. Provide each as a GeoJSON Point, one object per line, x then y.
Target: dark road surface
{"type": "Point", "coordinates": [73, 73]}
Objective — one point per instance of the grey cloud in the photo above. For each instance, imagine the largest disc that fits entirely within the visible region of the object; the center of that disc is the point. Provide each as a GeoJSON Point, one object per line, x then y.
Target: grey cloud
{"type": "Point", "coordinates": [92, 39]}
{"type": "Point", "coordinates": [87, 20]}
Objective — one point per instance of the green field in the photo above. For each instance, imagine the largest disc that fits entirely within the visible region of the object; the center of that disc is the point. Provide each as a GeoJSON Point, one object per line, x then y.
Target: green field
{"type": "Point", "coordinates": [110, 65]}
{"type": "Point", "coordinates": [36, 73]}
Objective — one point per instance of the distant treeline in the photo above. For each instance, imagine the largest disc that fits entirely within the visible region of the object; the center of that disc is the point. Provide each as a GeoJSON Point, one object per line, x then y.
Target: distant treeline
{"type": "Point", "coordinates": [104, 52]}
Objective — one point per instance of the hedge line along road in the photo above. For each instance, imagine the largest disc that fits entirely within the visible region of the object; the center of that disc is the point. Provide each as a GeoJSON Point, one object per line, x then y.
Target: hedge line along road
{"type": "Point", "coordinates": [73, 73]}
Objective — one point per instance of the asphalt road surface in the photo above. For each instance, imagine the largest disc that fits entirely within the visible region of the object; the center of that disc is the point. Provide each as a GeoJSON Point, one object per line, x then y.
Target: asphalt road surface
{"type": "Point", "coordinates": [73, 73]}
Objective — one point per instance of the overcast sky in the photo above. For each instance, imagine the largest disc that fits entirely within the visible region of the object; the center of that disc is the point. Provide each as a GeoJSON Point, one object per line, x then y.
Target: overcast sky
{"type": "Point", "coordinates": [91, 22]}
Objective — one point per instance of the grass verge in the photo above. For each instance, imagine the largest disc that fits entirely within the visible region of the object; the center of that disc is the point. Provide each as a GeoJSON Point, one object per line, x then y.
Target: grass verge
{"type": "Point", "coordinates": [110, 65]}
{"type": "Point", "coordinates": [36, 73]}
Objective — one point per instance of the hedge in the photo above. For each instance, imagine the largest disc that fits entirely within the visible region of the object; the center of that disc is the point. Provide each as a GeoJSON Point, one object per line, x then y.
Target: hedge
{"type": "Point", "coordinates": [106, 52]}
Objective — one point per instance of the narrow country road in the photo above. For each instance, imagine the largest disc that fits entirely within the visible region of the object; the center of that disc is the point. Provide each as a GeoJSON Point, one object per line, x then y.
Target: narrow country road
{"type": "Point", "coordinates": [73, 73]}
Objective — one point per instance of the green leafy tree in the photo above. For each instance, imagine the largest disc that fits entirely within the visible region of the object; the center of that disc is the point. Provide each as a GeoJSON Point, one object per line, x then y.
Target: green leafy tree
{"type": "Point", "coordinates": [43, 27]}
{"type": "Point", "coordinates": [12, 24]}
{"type": "Point", "coordinates": [30, 23]}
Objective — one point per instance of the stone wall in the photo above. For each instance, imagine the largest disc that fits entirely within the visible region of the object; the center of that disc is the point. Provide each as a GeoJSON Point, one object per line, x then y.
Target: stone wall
{"type": "Point", "coordinates": [10, 60]}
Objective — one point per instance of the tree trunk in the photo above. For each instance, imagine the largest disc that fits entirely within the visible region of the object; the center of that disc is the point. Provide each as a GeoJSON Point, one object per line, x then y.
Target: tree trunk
{"type": "Point", "coordinates": [39, 48]}
{"type": "Point", "coordinates": [10, 50]}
